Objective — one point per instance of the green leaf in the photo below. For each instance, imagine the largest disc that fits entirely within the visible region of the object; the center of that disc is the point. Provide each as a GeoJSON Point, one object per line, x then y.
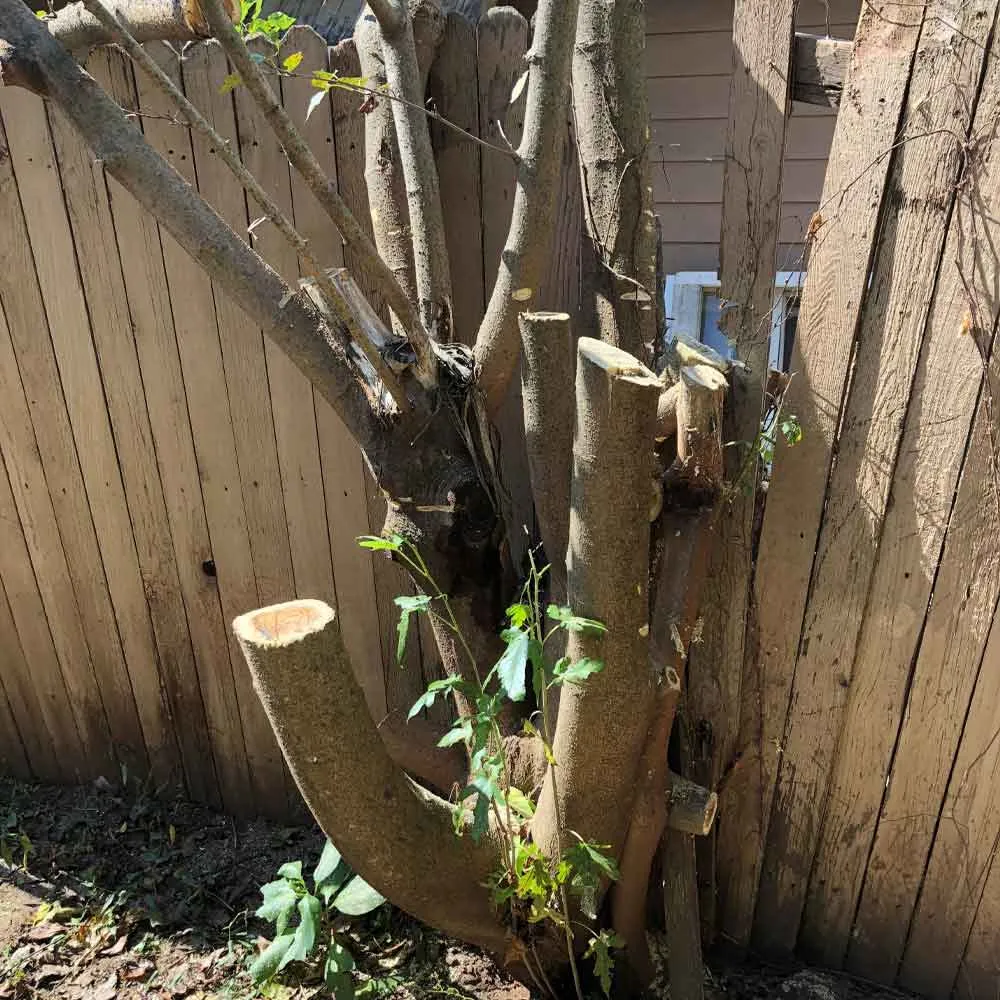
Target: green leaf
{"type": "Point", "coordinates": [599, 950]}
{"type": "Point", "coordinates": [408, 606]}
{"type": "Point", "coordinates": [443, 686]}
{"type": "Point", "coordinates": [511, 666]}
{"type": "Point", "coordinates": [291, 870]}
{"type": "Point", "coordinates": [266, 965]}
{"type": "Point", "coordinates": [573, 623]}
{"type": "Point", "coordinates": [304, 939]}
{"type": "Point", "coordinates": [791, 429]}
{"type": "Point", "coordinates": [231, 82]}
{"type": "Point", "coordinates": [337, 971]}
{"type": "Point", "coordinates": [329, 862]}
{"type": "Point", "coordinates": [291, 63]}
{"type": "Point", "coordinates": [280, 898]}
{"type": "Point", "coordinates": [575, 673]}
{"type": "Point", "coordinates": [358, 898]}
{"type": "Point", "coordinates": [520, 802]}
{"type": "Point", "coordinates": [378, 544]}
{"type": "Point", "coordinates": [518, 614]}
{"type": "Point", "coordinates": [460, 732]}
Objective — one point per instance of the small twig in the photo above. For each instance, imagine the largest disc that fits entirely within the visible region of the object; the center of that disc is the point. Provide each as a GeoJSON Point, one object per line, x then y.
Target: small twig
{"type": "Point", "coordinates": [118, 30]}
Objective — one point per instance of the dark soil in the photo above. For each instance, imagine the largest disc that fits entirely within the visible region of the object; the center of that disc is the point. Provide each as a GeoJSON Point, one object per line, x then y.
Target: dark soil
{"type": "Point", "coordinates": [125, 896]}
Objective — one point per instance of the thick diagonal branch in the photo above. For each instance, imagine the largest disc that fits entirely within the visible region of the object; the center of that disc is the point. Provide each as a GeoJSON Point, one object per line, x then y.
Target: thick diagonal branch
{"type": "Point", "coordinates": [150, 20]}
{"type": "Point", "coordinates": [612, 124]}
{"type": "Point", "coordinates": [303, 159]}
{"type": "Point", "coordinates": [303, 677]}
{"type": "Point", "coordinates": [607, 566]}
{"type": "Point", "coordinates": [529, 240]}
{"type": "Point", "coordinates": [339, 306]}
{"type": "Point", "coordinates": [406, 80]}
{"type": "Point", "coordinates": [287, 318]}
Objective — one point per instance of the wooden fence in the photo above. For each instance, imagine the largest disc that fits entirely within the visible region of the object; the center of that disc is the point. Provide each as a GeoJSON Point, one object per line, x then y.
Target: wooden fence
{"type": "Point", "coordinates": [165, 468]}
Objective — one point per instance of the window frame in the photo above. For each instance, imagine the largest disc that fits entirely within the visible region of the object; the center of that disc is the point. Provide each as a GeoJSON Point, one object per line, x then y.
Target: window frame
{"type": "Point", "coordinates": [684, 298]}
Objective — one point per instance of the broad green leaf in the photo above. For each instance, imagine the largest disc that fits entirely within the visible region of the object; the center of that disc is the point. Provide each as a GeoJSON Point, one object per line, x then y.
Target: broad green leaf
{"type": "Point", "coordinates": [518, 614]}
{"type": "Point", "coordinates": [291, 870]}
{"type": "Point", "coordinates": [280, 898]}
{"type": "Point", "coordinates": [461, 732]}
{"type": "Point", "coordinates": [572, 622]}
{"type": "Point", "coordinates": [378, 544]}
{"type": "Point", "coordinates": [599, 950]}
{"type": "Point", "coordinates": [304, 939]}
{"type": "Point", "coordinates": [576, 673]}
{"type": "Point", "coordinates": [512, 665]}
{"type": "Point", "coordinates": [291, 63]}
{"type": "Point", "coordinates": [358, 898]}
{"type": "Point", "coordinates": [520, 802]}
{"type": "Point", "coordinates": [340, 984]}
{"type": "Point", "coordinates": [351, 82]}
{"type": "Point", "coordinates": [258, 57]}
{"type": "Point", "coordinates": [408, 606]}
{"type": "Point", "coordinates": [277, 22]}
{"type": "Point", "coordinates": [231, 82]}
{"type": "Point", "coordinates": [445, 685]}
{"type": "Point", "coordinates": [266, 964]}
{"type": "Point", "coordinates": [328, 863]}
{"type": "Point", "coordinates": [338, 958]}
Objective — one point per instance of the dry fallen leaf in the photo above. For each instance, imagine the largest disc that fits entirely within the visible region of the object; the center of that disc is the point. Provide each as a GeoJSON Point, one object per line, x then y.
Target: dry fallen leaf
{"type": "Point", "coordinates": [108, 990]}
{"type": "Point", "coordinates": [118, 947]}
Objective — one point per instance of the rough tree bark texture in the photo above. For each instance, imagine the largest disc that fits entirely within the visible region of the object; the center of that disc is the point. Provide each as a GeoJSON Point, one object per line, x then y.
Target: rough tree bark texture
{"type": "Point", "coordinates": [613, 470]}
{"type": "Point", "coordinates": [301, 673]}
{"type": "Point", "coordinates": [407, 80]}
{"type": "Point", "coordinates": [612, 115]}
{"type": "Point", "coordinates": [525, 255]}
{"type": "Point", "coordinates": [383, 169]}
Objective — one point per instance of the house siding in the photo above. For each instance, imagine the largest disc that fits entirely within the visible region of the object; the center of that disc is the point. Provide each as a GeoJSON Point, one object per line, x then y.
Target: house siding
{"type": "Point", "coordinates": [689, 65]}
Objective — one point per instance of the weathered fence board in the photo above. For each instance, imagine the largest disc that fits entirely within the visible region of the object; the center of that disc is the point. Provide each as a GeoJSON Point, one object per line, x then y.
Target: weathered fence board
{"type": "Point", "coordinates": [751, 216]}
{"type": "Point", "coordinates": [946, 383]}
{"type": "Point", "coordinates": [829, 313]}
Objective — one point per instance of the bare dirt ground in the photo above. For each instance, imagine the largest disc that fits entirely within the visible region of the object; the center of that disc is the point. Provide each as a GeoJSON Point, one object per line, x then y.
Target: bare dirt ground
{"type": "Point", "coordinates": [111, 894]}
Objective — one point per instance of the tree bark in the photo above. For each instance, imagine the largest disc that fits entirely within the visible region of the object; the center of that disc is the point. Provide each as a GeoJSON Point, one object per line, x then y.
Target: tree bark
{"type": "Point", "coordinates": [148, 20]}
{"type": "Point", "coordinates": [384, 178]}
{"type": "Point", "coordinates": [408, 80]}
{"type": "Point", "coordinates": [302, 675]}
{"type": "Point", "coordinates": [607, 565]}
{"type": "Point", "coordinates": [526, 253]}
{"type": "Point", "coordinates": [325, 191]}
{"type": "Point", "coordinates": [612, 121]}
{"type": "Point", "coordinates": [547, 397]}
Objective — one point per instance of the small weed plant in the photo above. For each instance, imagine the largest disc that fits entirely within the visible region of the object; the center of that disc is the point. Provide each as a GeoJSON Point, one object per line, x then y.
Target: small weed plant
{"type": "Point", "coordinates": [528, 887]}
{"type": "Point", "coordinates": [308, 924]}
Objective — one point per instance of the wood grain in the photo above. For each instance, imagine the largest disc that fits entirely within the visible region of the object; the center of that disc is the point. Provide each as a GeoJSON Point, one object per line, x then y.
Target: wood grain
{"type": "Point", "coordinates": [918, 297]}
{"type": "Point", "coordinates": [751, 219]}
{"type": "Point", "coordinates": [828, 320]}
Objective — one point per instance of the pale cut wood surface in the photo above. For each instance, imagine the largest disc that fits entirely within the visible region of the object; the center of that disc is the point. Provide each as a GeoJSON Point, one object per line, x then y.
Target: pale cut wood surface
{"type": "Point", "coordinates": [197, 335]}
{"type": "Point", "coordinates": [938, 416]}
{"type": "Point", "coordinates": [829, 312]}
{"type": "Point", "coordinates": [751, 218]}
{"type": "Point", "coordinates": [453, 89]}
{"type": "Point", "coordinates": [141, 257]}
